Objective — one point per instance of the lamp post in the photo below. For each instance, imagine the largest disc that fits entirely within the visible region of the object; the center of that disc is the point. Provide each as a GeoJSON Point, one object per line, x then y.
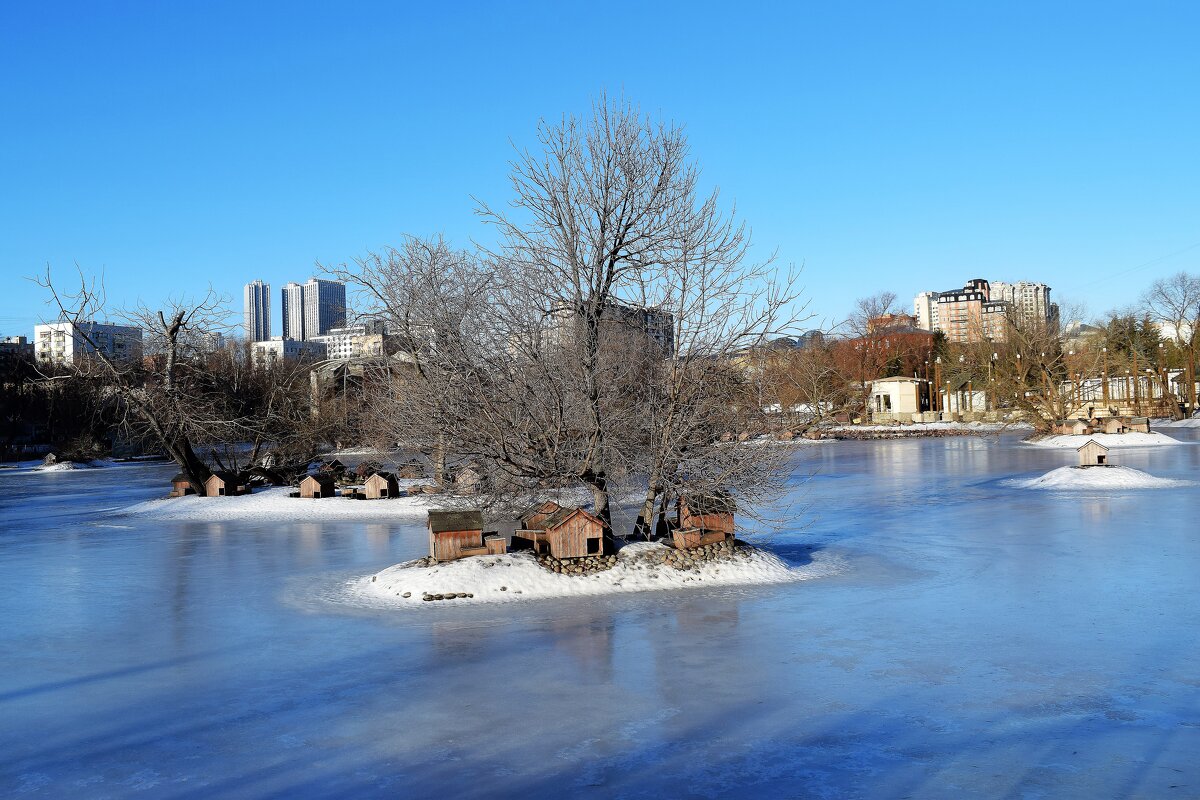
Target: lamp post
{"type": "Point", "coordinates": [937, 383]}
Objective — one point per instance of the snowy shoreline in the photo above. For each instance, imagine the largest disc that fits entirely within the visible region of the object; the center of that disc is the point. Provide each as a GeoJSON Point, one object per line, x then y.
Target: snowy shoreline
{"type": "Point", "coordinates": [517, 577]}
{"type": "Point", "coordinates": [1134, 439]}
{"type": "Point", "coordinates": [274, 504]}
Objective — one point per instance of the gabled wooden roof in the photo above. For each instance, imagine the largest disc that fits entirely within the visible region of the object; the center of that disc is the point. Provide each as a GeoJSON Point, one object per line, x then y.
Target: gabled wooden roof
{"type": "Point", "coordinates": [442, 521]}
{"type": "Point", "coordinates": [563, 515]}
{"type": "Point", "coordinates": [325, 481]}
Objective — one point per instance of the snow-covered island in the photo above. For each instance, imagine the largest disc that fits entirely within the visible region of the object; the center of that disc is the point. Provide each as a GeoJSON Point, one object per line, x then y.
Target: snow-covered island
{"type": "Point", "coordinates": [1110, 478]}
{"type": "Point", "coordinates": [275, 504]}
{"type": "Point", "coordinates": [1131, 439]}
{"type": "Point", "coordinates": [637, 567]}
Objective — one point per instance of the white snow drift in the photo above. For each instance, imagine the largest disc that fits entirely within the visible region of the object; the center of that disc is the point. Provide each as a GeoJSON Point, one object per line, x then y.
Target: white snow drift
{"type": "Point", "coordinates": [517, 576]}
{"type": "Point", "coordinates": [1134, 439]}
{"type": "Point", "coordinates": [1085, 478]}
{"type": "Point", "coordinates": [275, 505]}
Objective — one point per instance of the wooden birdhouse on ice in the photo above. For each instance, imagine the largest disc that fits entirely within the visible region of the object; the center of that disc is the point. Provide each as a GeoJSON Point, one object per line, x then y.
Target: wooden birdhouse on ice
{"type": "Point", "coordinates": [1092, 454]}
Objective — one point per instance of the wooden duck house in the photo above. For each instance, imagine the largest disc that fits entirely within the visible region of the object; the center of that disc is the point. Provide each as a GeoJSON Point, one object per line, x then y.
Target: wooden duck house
{"type": "Point", "coordinates": [1092, 454]}
{"type": "Point", "coordinates": [458, 534]}
{"type": "Point", "coordinates": [381, 485]}
{"type": "Point", "coordinates": [180, 486]}
{"type": "Point", "coordinates": [318, 486]}
{"type": "Point", "coordinates": [225, 484]}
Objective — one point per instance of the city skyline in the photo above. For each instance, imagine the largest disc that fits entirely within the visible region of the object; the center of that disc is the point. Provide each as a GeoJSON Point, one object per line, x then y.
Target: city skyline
{"type": "Point", "coordinates": [905, 147]}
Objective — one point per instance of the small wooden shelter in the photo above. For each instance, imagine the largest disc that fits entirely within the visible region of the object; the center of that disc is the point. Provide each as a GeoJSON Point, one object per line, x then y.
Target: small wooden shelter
{"type": "Point", "coordinates": [703, 519]}
{"type": "Point", "coordinates": [467, 480]}
{"type": "Point", "coordinates": [533, 517]}
{"type": "Point", "coordinates": [180, 486]}
{"type": "Point", "coordinates": [318, 486]}
{"type": "Point", "coordinates": [1073, 427]}
{"type": "Point", "coordinates": [225, 484]}
{"type": "Point", "coordinates": [1112, 425]}
{"type": "Point", "coordinates": [1138, 425]}
{"type": "Point", "coordinates": [567, 533]}
{"type": "Point", "coordinates": [1092, 454]}
{"type": "Point", "coordinates": [458, 534]}
{"type": "Point", "coordinates": [381, 485]}
{"type": "Point", "coordinates": [411, 469]}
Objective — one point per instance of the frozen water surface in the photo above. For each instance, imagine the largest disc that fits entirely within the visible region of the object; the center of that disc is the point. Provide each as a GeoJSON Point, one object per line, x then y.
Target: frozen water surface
{"type": "Point", "coordinates": [981, 640]}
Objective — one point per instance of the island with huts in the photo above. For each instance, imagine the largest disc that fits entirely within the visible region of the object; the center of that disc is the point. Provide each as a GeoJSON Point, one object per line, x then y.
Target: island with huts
{"type": "Point", "coordinates": [569, 540]}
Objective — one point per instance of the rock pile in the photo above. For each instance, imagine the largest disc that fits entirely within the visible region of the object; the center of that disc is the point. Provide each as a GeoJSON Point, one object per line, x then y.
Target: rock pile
{"type": "Point", "coordinates": [577, 566]}
{"type": "Point", "coordinates": [447, 596]}
{"type": "Point", "coordinates": [693, 558]}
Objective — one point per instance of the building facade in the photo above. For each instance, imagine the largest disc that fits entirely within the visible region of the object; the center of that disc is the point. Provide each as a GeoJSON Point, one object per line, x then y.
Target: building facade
{"type": "Point", "coordinates": [291, 309]}
{"type": "Point", "coordinates": [280, 349]}
{"type": "Point", "coordinates": [257, 314]}
{"type": "Point", "coordinates": [355, 341]}
{"type": "Point", "coordinates": [66, 343]}
{"type": "Point", "coordinates": [1030, 302]}
{"type": "Point", "coordinates": [16, 348]}
{"type": "Point", "coordinates": [324, 307]}
{"type": "Point", "coordinates": [925, 309]}
{"type": "Point", "coordinates": [655, 324]}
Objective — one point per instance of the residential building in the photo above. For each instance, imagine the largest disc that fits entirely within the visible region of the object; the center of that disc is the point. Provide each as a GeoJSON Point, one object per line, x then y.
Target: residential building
{"type": "Point", "coordinates": [257, 314]}
{"type": "Point", "coordinates": [970, 314]}
{"type": "Point", "coordinates": [292, 311]}
{"type": "Point", "coordinates": [312, 309]}
{"type": "Point", "coordinates": [925, 309]}
{"type": "Point", "coordinates": [1030, 302]}
{"type": "Point", "coordinates": [280, 349]}
{"type": "Point", "coordinates": [885, 322]}
{"type": "Point", "coordinates": [355, 341]}
{"type": "Point", "coordinates": [67, 343]}
{"type": "Point", "coordinates": [657, 325]}
{"type": "Point", "coordinates": [324, 307]}
{"type": "Point", "coordinates": [16, 348]}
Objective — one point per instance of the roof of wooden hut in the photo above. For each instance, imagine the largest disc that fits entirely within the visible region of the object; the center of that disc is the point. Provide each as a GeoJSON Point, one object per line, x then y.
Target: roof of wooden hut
{"type": "Point", "coordinates": [179, 477]}
{"type": "Point", "coordinates": [225, 476]}
{"type": "Point", "coordinates": [325, 481]}
{"type": "Point", "coordinates": [441, 521]}
{"type": "Point", "coordinates": [560, 517]}
{"type": "Point", "coordinates": [1090, 442]}
{"type": "Point", "coordinates": [387, 476]}
{"type": "Point", "coordinates": [539, 507]}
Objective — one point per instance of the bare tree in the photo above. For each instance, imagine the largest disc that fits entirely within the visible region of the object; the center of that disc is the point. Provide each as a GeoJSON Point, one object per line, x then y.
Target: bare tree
{"type": "Point", "coordinates": [1174, 302]}
{"type": "Point", "coordinates": [172, 396]}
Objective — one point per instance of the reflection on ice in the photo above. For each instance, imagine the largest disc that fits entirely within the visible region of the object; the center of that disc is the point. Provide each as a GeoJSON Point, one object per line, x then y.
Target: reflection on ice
{"type": "Point", "coordinates": [983, 640]}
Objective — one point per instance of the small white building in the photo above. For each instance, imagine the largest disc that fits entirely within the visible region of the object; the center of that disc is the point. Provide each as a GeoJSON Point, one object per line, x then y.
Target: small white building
{"type": "Point", "coordinates": [895, 399]}
{"type": "Point", "coordinates": [355, 341]}
{"type": "Point", "coordinates": [66, 343]}
{"type": "Point", "coordinates": [280, 349]}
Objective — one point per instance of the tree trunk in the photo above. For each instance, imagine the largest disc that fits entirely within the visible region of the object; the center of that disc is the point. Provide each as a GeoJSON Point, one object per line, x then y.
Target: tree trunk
{"type": "Point", "coordinates": [642, 528]}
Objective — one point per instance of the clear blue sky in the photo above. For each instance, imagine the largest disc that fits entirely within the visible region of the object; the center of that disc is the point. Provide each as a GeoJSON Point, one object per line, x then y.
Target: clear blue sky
{"type": "Point", "coordinates": [900, 146]}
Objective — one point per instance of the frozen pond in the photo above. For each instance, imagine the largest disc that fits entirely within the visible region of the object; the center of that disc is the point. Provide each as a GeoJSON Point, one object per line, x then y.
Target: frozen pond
{"type": "Point", "coordinates": [980, 640]}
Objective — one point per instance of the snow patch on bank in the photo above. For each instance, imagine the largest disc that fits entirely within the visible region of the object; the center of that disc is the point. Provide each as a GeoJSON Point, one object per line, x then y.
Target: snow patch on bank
{"type": "Point", "coordinates": [1193, 422]}
{"type": "Point", "coordinates": [1134, 439]}
{"type": "Point", "coordinates": [517, 576]}
{"type": "Point", "coordinates": [1085, 478]}
{"type": "Point", "coordinates": [274, 505]}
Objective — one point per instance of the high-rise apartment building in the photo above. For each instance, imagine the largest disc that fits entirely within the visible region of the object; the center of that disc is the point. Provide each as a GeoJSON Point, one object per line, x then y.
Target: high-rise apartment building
{"type": "Point", "coordinates": [258, 311]}
{"type": "Point", "coordinates": [324, 307]}
{"type": "Point", "coordinates": [313, 309]}
{"type": "Point", "coordinates": [292, 311]}
{"type": "Point", "coordinates": [925, 309]}
{"type": "Point", "coordinates": [1030, 301]}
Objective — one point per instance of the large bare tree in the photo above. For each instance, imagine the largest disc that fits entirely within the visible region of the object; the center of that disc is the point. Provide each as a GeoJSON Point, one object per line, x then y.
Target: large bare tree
{"type": "Point", "coordinates": [1174, 302]}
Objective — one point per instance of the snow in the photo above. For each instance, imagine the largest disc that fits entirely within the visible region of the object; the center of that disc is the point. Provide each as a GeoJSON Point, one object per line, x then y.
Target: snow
{"type": "Point", "coordinates": [1089, 478]}
{"type": "Point", "coordinates": [274, 504]}
{"type": "Point", "coordinates": [1134, 439]}
{"type": "Point", "coordinates": [1193, 422]}
{"type": "Point", "coordinates": [517, 576]}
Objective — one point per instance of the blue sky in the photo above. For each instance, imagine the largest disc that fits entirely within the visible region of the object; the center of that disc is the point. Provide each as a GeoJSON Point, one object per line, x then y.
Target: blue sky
{"type": "Point", "coordinates": [889, 146]}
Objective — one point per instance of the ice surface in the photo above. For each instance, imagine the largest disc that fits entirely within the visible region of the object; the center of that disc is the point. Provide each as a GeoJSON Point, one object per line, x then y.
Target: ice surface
{"type": "Point", "coordinates": [517, 576]}
{"type": "Point", "coordinates": [1193, 422]}
{"type": "Point", "coordinates": [1093, 478]}
{"type": "Point", "coordinates": [1135, 439]}
{"type": "Point", "coordinates": [982, 640]}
